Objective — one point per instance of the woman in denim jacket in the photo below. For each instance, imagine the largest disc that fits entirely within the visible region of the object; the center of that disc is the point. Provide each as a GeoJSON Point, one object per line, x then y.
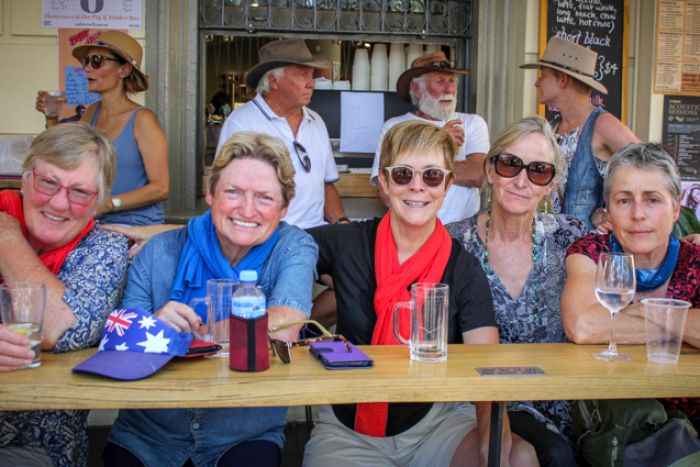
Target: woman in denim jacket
{"type": "Point", "coordinates": [249, 189]}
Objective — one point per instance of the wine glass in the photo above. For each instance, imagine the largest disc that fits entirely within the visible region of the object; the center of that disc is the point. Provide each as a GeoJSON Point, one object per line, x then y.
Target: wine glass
{"type": "Point", "coordinates": [615, 284]}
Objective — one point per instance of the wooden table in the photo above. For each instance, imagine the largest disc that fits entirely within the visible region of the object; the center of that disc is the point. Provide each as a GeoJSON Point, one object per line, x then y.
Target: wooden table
{"type": "Point", "coordinates": [570, 373]}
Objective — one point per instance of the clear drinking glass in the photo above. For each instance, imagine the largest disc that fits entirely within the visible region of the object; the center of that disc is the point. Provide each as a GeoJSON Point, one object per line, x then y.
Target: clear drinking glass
{"type": "Point", "coordinates": [615, 284]}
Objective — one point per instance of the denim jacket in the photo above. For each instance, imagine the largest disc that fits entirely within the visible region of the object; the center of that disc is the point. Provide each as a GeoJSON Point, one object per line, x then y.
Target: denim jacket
{"type": "Point", "coordinates": [168, 437]}
{"type": "Point", "coordinates": [584, 185]}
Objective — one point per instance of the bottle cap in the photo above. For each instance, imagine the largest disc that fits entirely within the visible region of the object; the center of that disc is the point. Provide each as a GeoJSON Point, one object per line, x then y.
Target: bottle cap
{"type": "Point", "coordinates": [248, 276]}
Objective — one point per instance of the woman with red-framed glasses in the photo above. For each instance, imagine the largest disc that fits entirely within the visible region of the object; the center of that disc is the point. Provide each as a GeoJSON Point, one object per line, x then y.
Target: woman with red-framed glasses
{"type": "Point", "coordinates": [112, 65]}
{"type": "Point", "coordinates": [373, 264]}
{"type": "Point", "coordinates": [48, 235]}
{"type": "Point", "coordinates": [522, 253]}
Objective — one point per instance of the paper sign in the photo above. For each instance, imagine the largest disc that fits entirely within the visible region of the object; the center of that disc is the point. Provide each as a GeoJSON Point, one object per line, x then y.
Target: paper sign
{"type": "Point", "coordinates": [77, 88]}
{"type": "Point", "coordinates": [103, 14]}
{"type": "Point", "coordinates": [361, 120]}
{"type": "Point", "coordinates": [510, 371]}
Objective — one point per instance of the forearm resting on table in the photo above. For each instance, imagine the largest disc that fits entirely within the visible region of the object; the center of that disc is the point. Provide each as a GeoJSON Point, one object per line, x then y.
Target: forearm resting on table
{"type": "Point", "coordinates": [278, 315]}
{"type": "Point", "coordinates": [592, 325]}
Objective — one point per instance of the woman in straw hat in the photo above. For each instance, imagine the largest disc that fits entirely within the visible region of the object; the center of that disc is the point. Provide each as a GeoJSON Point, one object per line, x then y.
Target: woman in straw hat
{"type": "Point", "coordinates": [588, 135]}
{"type": "Point", "coordinates": [113, 68]}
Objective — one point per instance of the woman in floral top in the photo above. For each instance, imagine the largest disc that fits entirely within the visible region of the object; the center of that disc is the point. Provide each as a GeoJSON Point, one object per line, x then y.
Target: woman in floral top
{"type": "Point", "coordinates": [522, 253]}
{"type": "Point", "coordinates": [48, 234]}
{"type": "Point", "coordinates": [642, 191]}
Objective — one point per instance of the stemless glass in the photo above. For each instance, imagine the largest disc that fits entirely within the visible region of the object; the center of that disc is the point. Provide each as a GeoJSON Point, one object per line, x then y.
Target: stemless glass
{"type": "Point", "coordinates": [615, 284]}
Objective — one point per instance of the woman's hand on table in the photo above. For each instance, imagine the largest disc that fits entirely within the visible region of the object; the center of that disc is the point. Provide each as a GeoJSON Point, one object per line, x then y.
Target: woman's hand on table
{"type": "Point", "coordinates": [180, 317]}
{"type": "Point", "coordinates": [14, 350]}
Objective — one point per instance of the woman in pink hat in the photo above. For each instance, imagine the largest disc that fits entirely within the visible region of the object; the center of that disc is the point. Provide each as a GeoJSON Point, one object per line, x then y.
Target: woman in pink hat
{"type": "Point", "coordinates": [588, 135]}
{"type": "Point", "coordinates": [113, 68]}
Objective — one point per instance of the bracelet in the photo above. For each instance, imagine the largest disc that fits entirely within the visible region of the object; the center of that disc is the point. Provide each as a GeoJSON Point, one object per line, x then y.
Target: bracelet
{"type": "Point", "coordinates": [342, 220]}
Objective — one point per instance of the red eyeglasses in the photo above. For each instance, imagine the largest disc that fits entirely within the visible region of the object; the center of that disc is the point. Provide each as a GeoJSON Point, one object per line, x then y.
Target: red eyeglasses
{"type": "Point", "coordinates": [49, 187]}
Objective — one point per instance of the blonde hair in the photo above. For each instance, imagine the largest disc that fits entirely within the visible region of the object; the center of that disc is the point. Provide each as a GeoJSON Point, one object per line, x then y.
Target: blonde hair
{"type": "Point", "coordinates": [417, 137]}
{"type": "Point", "coordinates": [523, 127]}
{"type": "Point", "coordinates": [251, 145]}
{"type": "Point", "coordinates": [67, 145]}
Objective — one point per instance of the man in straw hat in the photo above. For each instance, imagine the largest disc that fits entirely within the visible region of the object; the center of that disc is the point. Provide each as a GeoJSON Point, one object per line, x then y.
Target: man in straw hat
{"type": "Point", "coordinates": [431, 86]}
{"type": "Point", "coordinates": [284, 83]}
{"type": "Point", "coordinates": [588, 135]}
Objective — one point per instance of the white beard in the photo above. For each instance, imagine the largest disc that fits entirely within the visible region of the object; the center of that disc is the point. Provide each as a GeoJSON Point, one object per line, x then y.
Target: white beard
{"type": "Point", "coordinates": [437, 109]}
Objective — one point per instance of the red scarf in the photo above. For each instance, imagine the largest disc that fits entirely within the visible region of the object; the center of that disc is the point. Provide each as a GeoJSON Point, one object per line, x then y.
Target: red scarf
{"type": "Point", "coordinates": [393, 280]}
{"type": "Point", "coordinates": [11, 203]}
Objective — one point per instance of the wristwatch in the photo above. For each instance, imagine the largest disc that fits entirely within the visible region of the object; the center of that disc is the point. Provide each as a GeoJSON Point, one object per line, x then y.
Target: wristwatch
{"type": "Point", "coordinates": [342, 220]}
{"type": "Point", "coordinates": [116, 204]}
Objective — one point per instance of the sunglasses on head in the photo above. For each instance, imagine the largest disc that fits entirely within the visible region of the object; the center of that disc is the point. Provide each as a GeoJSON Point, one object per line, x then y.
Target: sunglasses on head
{"type": "Point", "coordinates": [283, 349]}
{"type": "Point", "coordinates": [303, 156]}
{"type": "Point", "coordinates": [431, 176]}
{"type": "Point", "coordinates": [509, 166]}
{"type": "Point", "coordinates": [95, 61]}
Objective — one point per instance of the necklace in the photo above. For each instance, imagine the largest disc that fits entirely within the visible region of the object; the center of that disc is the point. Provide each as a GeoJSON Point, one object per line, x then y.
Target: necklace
{"type": "Point", "coordinates": [487, 265]}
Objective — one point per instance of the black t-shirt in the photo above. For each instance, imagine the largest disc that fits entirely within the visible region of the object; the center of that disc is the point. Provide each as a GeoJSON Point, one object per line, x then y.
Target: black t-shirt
{"type": "Point", "coordinates": [346, 253]}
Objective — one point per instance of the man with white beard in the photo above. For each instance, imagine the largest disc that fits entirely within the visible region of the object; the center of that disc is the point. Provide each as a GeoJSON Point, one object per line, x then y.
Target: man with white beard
{"type": "Point", "coordinates": [431, 86]}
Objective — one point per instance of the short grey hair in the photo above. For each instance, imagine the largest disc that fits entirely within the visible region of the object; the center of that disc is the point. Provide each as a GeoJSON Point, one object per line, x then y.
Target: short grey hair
{"type": "Point", "coordinates": [264, 81]}
{"type": "Point", "coordinates": [420, 82]}
{"type": "Point", "coordinates": [523, 127]}
{"type": "Point", "coordinates": [67, 145]}
{"type": "Point", "coordinates": [648, 156]}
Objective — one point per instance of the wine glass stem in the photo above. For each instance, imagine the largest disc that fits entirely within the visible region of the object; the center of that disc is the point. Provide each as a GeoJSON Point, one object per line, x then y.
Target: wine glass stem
{"type": "Point", "coordinates": [612, 348]}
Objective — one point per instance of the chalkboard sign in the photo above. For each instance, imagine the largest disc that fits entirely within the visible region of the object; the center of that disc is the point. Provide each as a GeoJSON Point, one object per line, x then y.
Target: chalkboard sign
{"type": "Point", "coordinates": [598, 25]}
{"type": "Point", "coordinates": [681, 133]}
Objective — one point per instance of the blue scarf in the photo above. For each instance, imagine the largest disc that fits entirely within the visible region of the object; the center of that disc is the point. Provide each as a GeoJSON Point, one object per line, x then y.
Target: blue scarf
{"type": "Point", "coordinates": [202, 259]}
{"type": "Point", "coordinates": [651, 279]}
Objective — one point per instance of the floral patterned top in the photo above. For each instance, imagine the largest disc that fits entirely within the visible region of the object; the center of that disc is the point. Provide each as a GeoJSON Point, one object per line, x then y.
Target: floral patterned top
{"type": "Point", "coordinates": [93, 274]}
{"type": "Point", "coordinates": [534, 317]}
{"type": "Point", "coordinates": [568, 142]}
{"type": "Point", "coordinates": [683, 285]}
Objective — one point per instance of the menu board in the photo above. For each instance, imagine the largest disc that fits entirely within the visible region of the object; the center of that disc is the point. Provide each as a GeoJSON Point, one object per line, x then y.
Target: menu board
{"type": "Point", "coordinates": [598, 25]}
{"type": "Point", "coordinates": [677, 68]}
{"type": "Point", "coordinates": [681, 133]}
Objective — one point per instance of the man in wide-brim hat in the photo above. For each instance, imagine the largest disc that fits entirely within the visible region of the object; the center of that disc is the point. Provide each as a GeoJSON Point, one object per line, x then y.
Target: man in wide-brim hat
{"type": "Point", "coordinates": [284, 82]}
{"type": "Point", "coordinates": [588, 135]}
{"type": "Point", "coordinates": [430, 84]}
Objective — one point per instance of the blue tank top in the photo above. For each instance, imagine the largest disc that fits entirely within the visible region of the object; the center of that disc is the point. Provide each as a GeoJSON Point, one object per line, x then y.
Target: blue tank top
{"type": "Point", "coordinates": [130, 175]}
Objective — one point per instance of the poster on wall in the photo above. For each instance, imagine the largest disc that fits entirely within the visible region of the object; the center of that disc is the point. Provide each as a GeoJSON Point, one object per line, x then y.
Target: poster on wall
{"type": "Point", "coordinates": [598, 25]}
{"type": "Point", "coordinates": [71, 75]}
{"type": "Point", "coordinates": [681, 133]}
{"type": "Point", "coordinates": [677, 66]}
{"type": "Point", "coordinates": [102, 14]}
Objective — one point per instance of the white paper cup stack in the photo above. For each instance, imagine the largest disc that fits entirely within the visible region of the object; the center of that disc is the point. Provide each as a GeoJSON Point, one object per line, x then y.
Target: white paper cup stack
{"type": "Point", "coordinates": [360, 70]}
{"type": "Point", "coordinates": [397, 64]}
{"type": "Point", "coordinates": [379, 68]}
{"type": "Point", "coordinates": [413, 52]}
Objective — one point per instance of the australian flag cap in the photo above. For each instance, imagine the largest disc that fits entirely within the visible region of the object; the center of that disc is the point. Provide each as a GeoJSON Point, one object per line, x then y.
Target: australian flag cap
{"type": "Point", "coordinates": [135, 344]}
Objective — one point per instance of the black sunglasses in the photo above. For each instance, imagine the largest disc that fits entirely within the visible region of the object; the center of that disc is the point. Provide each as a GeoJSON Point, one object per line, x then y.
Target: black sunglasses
{"type": "Point", "coordinates": [431, 176]}
{"type": "Point", "coordinates": [282, 349]}
{"type": "Point", "coordinates": [95, 61]}
{"type": "Point", "coordinates": [509, 166]}
{"type": "Point", "coordinates": [303, 156]}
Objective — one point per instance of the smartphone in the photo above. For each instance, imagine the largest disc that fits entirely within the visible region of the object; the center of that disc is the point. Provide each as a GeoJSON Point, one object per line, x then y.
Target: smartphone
{"type": "Point", "coordinates": [202, 349]}
{"type": "Point", "coordinates": [335, 356]}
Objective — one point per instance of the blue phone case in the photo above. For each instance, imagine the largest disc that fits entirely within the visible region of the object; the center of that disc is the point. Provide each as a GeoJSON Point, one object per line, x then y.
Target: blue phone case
{"type": "Point", "coordinates": [335, 356]}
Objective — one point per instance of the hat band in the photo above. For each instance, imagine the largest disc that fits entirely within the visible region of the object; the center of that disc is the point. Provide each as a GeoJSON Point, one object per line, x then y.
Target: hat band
{"type": "Point", "coordinates": [575, 70]}
{"type": "Point", "coordinates": [441, 64]}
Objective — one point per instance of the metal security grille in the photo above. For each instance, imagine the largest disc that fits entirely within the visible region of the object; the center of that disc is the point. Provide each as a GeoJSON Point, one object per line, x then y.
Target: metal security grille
{"type": "Point", "coordinates": [425, 18]}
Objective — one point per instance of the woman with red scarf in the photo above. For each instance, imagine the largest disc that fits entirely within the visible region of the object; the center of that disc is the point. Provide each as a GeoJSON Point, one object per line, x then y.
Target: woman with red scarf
{"type": "Point", "coordinates": [48, 235]}
{"type": "Point", "coordinates": [373, 265]}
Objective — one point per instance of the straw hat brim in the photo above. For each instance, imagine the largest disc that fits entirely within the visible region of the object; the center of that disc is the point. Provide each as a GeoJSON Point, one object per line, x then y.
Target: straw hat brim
{"type": "Point", "coordinates": [255, 73]}
{"type": "Point", "coordinates": [587, 80]}
{"type": "Point", "coordinates": [141, 78]}
{"type": "Point", "coordinates": [403, 84]}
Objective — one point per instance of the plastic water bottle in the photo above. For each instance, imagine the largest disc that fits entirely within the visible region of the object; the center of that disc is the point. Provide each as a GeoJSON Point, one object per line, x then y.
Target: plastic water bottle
{"type": "Point", "coordinates": [248, 301]}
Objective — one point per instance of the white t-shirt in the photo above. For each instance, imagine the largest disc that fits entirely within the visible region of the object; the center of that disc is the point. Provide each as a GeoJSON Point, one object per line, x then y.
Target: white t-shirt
{"type": "Point", "coordinates": [460, 202]}
{"type": "Point", "coordinates": [306, 208]}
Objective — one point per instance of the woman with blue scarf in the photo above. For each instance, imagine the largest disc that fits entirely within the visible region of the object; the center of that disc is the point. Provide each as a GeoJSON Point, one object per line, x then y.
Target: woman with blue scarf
{"type": "Point", "coordinates": [642, 192]}
{"type": "Point", "coordinates": [250, 186]}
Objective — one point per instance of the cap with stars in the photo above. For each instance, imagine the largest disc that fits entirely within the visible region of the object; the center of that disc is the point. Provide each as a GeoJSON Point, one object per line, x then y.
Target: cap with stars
{"type": "Point", "coordinates": [135, 344]}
